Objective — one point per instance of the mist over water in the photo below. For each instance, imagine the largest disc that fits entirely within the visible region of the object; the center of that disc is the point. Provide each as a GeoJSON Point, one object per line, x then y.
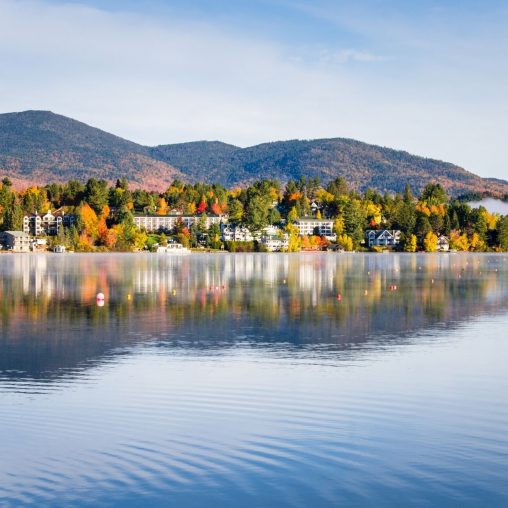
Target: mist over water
{"type": "Point", "coordinates": [254, 380]}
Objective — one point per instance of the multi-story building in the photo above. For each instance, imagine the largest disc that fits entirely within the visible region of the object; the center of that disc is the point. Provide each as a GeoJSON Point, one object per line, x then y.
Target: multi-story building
{"type": "Point", "coordinates": [47, 224]}
{"type": "Point", "coordinates": [169, 222]}
{"type": "Point", "coordinates": [312, 226]}
{"type": "Point", "coordinates": [15, 241]}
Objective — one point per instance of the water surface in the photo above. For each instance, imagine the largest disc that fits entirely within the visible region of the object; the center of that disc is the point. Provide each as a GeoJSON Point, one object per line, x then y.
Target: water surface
{"type": "Point", "coordinates": [254, 380]}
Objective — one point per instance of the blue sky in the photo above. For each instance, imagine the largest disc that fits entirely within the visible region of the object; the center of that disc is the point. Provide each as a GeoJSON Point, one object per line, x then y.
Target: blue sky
{"type": "Point", "coordinates": [425, 76]}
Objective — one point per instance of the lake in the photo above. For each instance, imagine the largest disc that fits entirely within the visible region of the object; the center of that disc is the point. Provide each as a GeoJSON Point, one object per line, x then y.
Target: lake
{"type": "Point", "coordinates": [254, 380]}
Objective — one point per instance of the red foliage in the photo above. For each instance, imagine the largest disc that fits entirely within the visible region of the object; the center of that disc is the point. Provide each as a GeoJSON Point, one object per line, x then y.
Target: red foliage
{"type": "Point", "coordinates": [201, 207]}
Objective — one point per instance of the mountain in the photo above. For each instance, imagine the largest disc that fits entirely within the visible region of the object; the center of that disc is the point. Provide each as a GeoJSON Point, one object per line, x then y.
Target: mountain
{"type": "Point", "coordinates": [41, 147]}
{"type": "Point", "coordinates": [37, 147]}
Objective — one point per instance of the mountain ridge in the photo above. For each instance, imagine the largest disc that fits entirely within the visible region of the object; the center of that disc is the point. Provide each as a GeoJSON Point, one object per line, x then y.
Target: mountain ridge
{"type": "Point", "coordinates": [39, 147]}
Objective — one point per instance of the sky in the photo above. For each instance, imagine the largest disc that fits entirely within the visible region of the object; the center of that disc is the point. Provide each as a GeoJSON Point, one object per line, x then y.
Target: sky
{"type": "Point", "coordinates": [425, 76]}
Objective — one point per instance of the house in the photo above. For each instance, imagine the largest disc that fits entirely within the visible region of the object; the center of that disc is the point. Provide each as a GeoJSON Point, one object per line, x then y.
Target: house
{"type": "Point", "coordinates": [232, 233]}
{"type": "Point", "coordinates": [59, 249]}
{"type": "Point", "coordinates": [169, 222]}
{"type": "Point", "coordinates": [443, 244]}
{"type": "Point", "coordinates": [312, 226]}
{"type": "Point", "coordinates": [315, 206]}
{"type": "Point", "coordinates": [382, 237]}
{"type": "Point", "coordinates": [275, 243]}
{"type": "Point", "coordinates": [15, 241]}
{"type": "Point", "coordinates": [47, 224]}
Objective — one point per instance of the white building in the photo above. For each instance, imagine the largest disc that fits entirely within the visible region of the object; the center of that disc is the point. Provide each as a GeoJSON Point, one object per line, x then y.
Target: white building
{"type": "Point", "coordinates": [15, 241]}
{"type": "Point", "coordinates": [232, 233]}
{"type": "Point", "coordinates": [275, 243]}
{"type": "Point", "coordinates": [169, 222]}
{"type": "Point", "coordinates": [310, 226]}
{"type": "Point", "coordinates": [47, 224]}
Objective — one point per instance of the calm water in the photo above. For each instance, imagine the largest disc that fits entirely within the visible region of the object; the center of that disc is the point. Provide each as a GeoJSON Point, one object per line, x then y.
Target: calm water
{"type": "Point", "coordinates": [241, 380]}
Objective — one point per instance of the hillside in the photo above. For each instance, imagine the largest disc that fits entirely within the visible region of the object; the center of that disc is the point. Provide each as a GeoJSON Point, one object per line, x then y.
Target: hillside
{"type": "Point", "coordinates": [363, 165]}
{"type": "Point", "coordinates": [41, 147]}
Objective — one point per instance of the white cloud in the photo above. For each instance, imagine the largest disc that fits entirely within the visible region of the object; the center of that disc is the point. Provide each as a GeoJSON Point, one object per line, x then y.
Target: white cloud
{"type": "Point", "coordinates": [173, 79]}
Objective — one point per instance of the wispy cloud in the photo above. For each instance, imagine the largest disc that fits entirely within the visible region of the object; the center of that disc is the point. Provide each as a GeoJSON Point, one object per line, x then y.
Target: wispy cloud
{"type": "Point", "coordinates": [175, 78]}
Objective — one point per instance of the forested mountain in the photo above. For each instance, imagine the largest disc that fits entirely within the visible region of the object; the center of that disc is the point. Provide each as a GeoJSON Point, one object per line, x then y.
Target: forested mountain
{"type": "Point", "coordinates": [40, 146]}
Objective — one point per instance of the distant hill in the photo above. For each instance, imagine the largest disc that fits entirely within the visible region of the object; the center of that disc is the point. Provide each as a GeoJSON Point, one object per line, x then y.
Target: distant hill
{"type": "Point", "coordinates": [41, 147]}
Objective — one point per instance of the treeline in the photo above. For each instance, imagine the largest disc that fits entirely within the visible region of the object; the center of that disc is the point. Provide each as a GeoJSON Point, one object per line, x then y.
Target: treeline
{"type": "Point", "coordinates": [105, 214]}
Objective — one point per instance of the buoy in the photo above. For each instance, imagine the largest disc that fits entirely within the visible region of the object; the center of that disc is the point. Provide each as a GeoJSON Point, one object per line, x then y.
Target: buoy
{"type": "Point", "coordinates": [100, 296]}
{"type": "Point", "coordinates": [339, 297]}
{"type": "Point", "coordinates": [365, 292]}
{"type": "Point", "coordinates": [284, 281]}
{"type": "Point", "coordinates": [129, 296]}
{"type": "Point", "coordinates": [100, 303]}
{"type": "Point", "coordinates": [174, 292]}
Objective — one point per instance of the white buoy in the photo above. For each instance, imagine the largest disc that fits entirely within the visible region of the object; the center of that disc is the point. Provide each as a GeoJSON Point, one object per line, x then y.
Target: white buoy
{"type": "Point", "coordinates": [100, 296]}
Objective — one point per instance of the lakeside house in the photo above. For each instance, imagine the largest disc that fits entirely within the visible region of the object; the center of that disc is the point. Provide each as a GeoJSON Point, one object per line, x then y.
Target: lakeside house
{"type": "Point", "coordinates": [275, 243]}
{"type": "Point", "coordinates": [47, 224]}
{"type": "Point", "coordinates": [443, 244]}
{"type": "Point", "coordinates": [15, 241]}
{"type": "Point", "coordinates": [382, 237]}
{"type": "Point", "coordinates": [232, 233]}
{"type": "Point", "coordinates": [311, 226]}
{"type": "Point", "coordinates": [168, 223]}
{"type": "Point", "coordinates": [272, 237]}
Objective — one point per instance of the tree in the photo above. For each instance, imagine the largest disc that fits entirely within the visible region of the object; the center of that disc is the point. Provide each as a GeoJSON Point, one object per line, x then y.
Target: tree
{"type": "Point", "coordinates": [90, 221]}
{"type": "Point", "coordinates": [430, 242]}
{"type": "Point", "coordinates": [256, 213]}
{"type": "Point", "coordinates": [410, 243]}
{"type": "Point", "coordinates": [353, 221]}
{"type": "Point", "coordinates": [96, 194]}
{"type": "Point", "coordinates": [338, 187]}
{"type": "Point", "coordinates": [502, 233]}
{"type": "Point", "coordinates": [13, 217]}
{"type": "Point", "coordinates": [235, 211]}
{"type": "Point", "coordinates": [338, 225]}
{"type": "Point", "coordinates": [434, 194]}
{"type": "Point", "coordinates": [346, 242]}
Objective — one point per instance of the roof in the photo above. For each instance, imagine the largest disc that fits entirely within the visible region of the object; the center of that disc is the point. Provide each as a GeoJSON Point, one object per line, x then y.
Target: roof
{"type": "Point", "coordinates": [313, 219]}
{"type": "Point", "coordinates": [18, 234]}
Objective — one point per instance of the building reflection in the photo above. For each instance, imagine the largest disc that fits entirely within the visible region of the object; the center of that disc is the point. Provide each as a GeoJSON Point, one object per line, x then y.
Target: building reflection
{"type": "Point", "coordinates": [48, 302]}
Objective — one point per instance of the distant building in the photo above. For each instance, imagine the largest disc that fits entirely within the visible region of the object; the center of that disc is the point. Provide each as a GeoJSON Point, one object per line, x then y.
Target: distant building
{"type": "Point", "coordinates": [232, 233]}
{"type": "Point", "coordinates": [59, 249]}
{"type": "Point", "coordinates": [443, 244]}
{"type": "Point", "coordinates": [169, 222]}
{"type": "Point", "coordinates": [275, 243]}
{"type": "Point", "coordinates": [382, 237]}
{"type": "Point", "coordinates": [15, 241]}
{"type": "Point", "coordinates": [47, 224]}
{"type": "Point", "coordinates": [311, 226]}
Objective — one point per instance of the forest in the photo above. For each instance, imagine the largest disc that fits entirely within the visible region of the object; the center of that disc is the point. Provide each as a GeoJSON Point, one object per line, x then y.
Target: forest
{"type": "Point", "coordinates": [105, 214]}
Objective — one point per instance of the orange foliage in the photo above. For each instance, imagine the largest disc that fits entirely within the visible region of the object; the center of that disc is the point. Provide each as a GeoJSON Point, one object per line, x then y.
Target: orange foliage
{"type": "Point", "coordinates": [216, 209]}
{"type": "Point", "coordinates": [90, 220]}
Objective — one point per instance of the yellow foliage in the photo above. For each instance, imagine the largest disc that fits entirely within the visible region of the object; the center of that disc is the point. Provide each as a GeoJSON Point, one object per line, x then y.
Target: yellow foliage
{"type": "Point", "coordinates": [430, 242]}
{"type": "Point", "coordinates": [162, 207]}
{"type": "Point", "coordinates": [458, 241]}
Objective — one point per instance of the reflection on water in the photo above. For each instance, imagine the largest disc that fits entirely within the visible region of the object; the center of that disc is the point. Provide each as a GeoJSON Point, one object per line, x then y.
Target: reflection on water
{"type": "Point", "coordinates": [51, 321]}
{"type": "Point", "coordinates": [253, 380]}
